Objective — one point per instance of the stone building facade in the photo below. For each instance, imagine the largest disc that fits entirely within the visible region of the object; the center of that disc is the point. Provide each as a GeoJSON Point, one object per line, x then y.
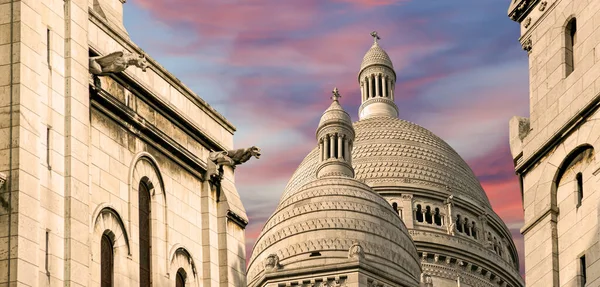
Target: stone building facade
{"type": "Point", "coordinates": [460, 241]}
{"type": "Point", "coordinates": [554, 150]}
{"type": "Point", "coordinates": [115, 176]}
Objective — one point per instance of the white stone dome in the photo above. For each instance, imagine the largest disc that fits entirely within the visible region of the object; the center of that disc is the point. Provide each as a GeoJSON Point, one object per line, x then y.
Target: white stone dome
{"type": "Point", "coordinates": [335, 113]}
{"type": "Point", "coordinates": [376, 56]}
{"type": "Point", "coordinates": [391, 151]}
{"type": "Point", "coordinates": [318, 225]}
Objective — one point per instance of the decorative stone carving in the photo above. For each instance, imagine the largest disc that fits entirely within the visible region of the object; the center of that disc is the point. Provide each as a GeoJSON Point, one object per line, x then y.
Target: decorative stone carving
{"type": "Point", "coordinates": [527, 22]}
{"type": "Point", "coordinates": [426, 280]}
{"type": "Point", "coordinates": [527, 45]}
{"type": "Point", "coordinates": [272, 262]}
{"type": "Point", "coordinates": [356, 252]}
{"type": "Point", "coordinates": [229, 158]}
{"type": "Point", "coordinates": [116, 62]}
{"type": "Point", "coordinates": [543, 5]}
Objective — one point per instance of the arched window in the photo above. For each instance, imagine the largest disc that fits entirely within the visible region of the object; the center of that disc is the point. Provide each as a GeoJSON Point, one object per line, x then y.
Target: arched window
{"type": "Point", "coordinates": [419, 214]}
{"type": "Point", "coordinates": [437, 218]}
{"type": "Point", "coordinates": [372, 81]}
{"type": "Point", "coordinates": [459, 224]}
{"type": "Point", "coordinates": [145, 246]}
{"type": "Point", "coordinates": [570, 41]}
{"type": "Point", "coordinates": [180, 278]}
{"type": "Point", "coordinates": [467, 227]}
{"type": "Point", "coordinates": [428, 215]}
{"type": "Point", "coordinates": [579, 179]}
{"type": "Point", "coordinates": [106, 261]}
{"type": "Point", "coordinates": [395, 207]}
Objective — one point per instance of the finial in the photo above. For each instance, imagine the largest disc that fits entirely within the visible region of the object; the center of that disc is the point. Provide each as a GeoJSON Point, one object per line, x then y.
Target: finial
{"type": "Point", "coordinates": [336, 94]}
{"type": "Point", "coordinates": [375, 37]}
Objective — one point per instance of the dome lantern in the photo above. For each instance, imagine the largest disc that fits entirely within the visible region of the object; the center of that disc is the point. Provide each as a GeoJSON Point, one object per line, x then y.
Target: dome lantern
{"type": "Point", "coordinates": [335, 136]}
{"type": "Point", "coordinates": [377, 81]}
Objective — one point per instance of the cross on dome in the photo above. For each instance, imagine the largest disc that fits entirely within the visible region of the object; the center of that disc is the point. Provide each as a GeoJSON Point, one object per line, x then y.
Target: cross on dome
{"type": "Point", "coordinates": [336, 94]}
{"type": "Point", "coordinates": [375, 36]}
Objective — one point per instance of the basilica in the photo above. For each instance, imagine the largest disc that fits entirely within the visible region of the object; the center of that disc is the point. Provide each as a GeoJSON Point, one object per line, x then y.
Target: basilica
{"type": "Point", "coordinates": [114, 173]}
{"type": "Point", "coordinates": [382, 202]}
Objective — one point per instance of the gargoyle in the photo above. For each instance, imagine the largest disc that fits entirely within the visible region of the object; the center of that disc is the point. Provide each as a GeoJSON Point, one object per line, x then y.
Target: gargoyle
{"type": "Point", "coordinates": [229, 158]}
{"type": "Point", "coordinates": [116, 62]}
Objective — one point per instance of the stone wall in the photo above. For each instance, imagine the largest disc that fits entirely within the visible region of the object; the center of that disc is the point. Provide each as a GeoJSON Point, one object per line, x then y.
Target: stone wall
{"type": "Point", "coordinates": [559, 141]}
{"type": "Point", "coordinates": [79, 154]}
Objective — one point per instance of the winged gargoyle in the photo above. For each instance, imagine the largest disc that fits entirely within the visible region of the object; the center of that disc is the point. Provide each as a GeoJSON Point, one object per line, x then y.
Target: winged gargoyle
{"type": "Point", "coordinates": [229, 158]}
{"type": "Point", "coordinates": [116, 62]}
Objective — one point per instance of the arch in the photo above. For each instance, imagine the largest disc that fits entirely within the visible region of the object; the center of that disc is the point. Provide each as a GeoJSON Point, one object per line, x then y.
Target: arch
{"type": "Point", "coordinates": [106, 260]}
{"type": "Point", "coordinates": [145, 169]}
{"type": "Point", "coordinates": [180, 278]}
{"type": "Point", "coordinates": [108, 224]}
{"type": "Point", "coordinates": [419, 213]}
{"type": "Point", "coordinates": [577, 154]}
{"type": "Point", "coordinates": [181, 259]}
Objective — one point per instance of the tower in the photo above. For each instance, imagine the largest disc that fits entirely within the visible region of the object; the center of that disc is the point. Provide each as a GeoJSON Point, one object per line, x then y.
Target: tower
{"type": "Point", "coordinates": [377, 81]}
{"type": "Point", "coordinates": [554, 148]}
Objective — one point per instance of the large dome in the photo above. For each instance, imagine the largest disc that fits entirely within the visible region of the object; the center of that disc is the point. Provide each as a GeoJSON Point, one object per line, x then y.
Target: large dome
{"type": "Point", "coordinates": [319, 225]}
{"type": "Point", "coordinates": [393, 152]}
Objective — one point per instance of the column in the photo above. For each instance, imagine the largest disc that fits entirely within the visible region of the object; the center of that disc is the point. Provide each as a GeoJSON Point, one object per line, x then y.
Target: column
{"type": "Point", "coordinates": [321, 151]}
{"type": "Point", "coordinates": [393, 85]}
{"type": "Point", "coordinates": [385, 87]}
{"type": "Point", "coordinates": [350, 153]}
{"type": "Point", "coordinates": [377, 88]}
{"type": "Point", "coordinates": [325, 147]}
{"type": "Point", "coordinates": [339, 146]}
{"type": "Point", "coordinates": [363, 90]}
{"type": "Point", "coordinates": [331, 146]}
{"type": "Point", "coordinates": [347, 152]}
{"type": "Point", "coordinates": [371, 87]}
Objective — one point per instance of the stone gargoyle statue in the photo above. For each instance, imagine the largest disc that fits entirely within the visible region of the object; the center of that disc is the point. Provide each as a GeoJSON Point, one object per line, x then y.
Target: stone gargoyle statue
{"type": "Point", "coordinates": [116, 62]}
{"type": "Point", "coordinates": [229, 158]}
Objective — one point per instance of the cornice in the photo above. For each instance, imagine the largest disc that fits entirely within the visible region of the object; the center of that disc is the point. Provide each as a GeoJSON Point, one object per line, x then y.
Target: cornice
{"type": "Point", "coordinates": [519, 9]}
{"type": "Point", "coordinates": [131, 121]}
{"type": "Point", "coordinates": [160, 70]}
{"type": "Point", "coordinates": [237, 219]}
{"type": "Point", "coordinates": [557, 138]}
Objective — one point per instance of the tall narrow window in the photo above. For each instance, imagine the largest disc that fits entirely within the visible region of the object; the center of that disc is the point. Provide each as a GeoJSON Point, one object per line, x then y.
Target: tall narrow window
{"type": "Point", "coordinates": [428, 215]}
{"type": "Point", "coordinates": [582, 271]}
{"type": "Point", "coordinates": [145, 246]}
{"type": "Point", "coordinates": [48, 45]}
{"type": "Point", "coordinates": [579, 179]}
{"type": "Point", "coordinates": [419, 214]}
{"type": "Point", "coordinates": [106, 261]}
{"type": "Point", "coordinates": [570, 41]}
{"type": "Point", "coordinates": [180, 279]}
{"type": "Point", "coordinates": [437, 218]}
{"type": "Point", "coordinates": [459, 225]}
{"type": "Point", "coordinates": [46, 255]}
{"type": "Point", "coordinates": [48, 147]}
{"type": "Point", "coordinates": [395, 207]}
{"type": "Point", "coordinates": [473, 230]}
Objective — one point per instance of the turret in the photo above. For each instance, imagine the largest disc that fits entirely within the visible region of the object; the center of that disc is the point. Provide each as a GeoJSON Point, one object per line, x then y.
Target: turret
{"type": "Point", "coordinates": [377, 80]}
{"type": "Point", "coordinates": [335, 135]}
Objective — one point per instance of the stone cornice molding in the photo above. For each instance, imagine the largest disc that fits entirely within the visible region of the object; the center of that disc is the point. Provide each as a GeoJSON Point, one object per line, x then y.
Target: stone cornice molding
{"type": "Point", "coordinates": [519, 9]}
{"type": "Point", "coordinates": [457, 247]}
{"type": "Point", "coordinates": [108, 105]}
{"type": "Point", "coordinates": [237, 219]}
{"type": "Point", "coordinates": [557, 138]}
{"type": "Point", "coordinates": [124, 41]}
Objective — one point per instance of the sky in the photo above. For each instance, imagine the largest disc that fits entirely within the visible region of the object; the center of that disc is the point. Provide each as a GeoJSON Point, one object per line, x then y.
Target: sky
{"type": "Point", "coordinates": [269, 66]}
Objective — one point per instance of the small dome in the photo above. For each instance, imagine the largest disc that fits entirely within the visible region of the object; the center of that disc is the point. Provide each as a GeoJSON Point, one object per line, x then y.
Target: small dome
{"type": "Point", "coordinates": [376, 56]}
{"type": "Point", "coordinates": [321, 224]}
{"type": "Point", "coordinates": [335, 113]}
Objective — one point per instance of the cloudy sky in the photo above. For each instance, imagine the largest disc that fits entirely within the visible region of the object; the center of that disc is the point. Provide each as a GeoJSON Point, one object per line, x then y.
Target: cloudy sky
{"type": "Point", "coordinates": [269, 67]}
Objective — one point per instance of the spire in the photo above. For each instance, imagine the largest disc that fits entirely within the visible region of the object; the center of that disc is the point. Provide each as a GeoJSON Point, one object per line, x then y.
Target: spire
{"type": "Point", "coordinates": [377, 81]}
{"type": "Point", "coordinates": [335, 136]}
